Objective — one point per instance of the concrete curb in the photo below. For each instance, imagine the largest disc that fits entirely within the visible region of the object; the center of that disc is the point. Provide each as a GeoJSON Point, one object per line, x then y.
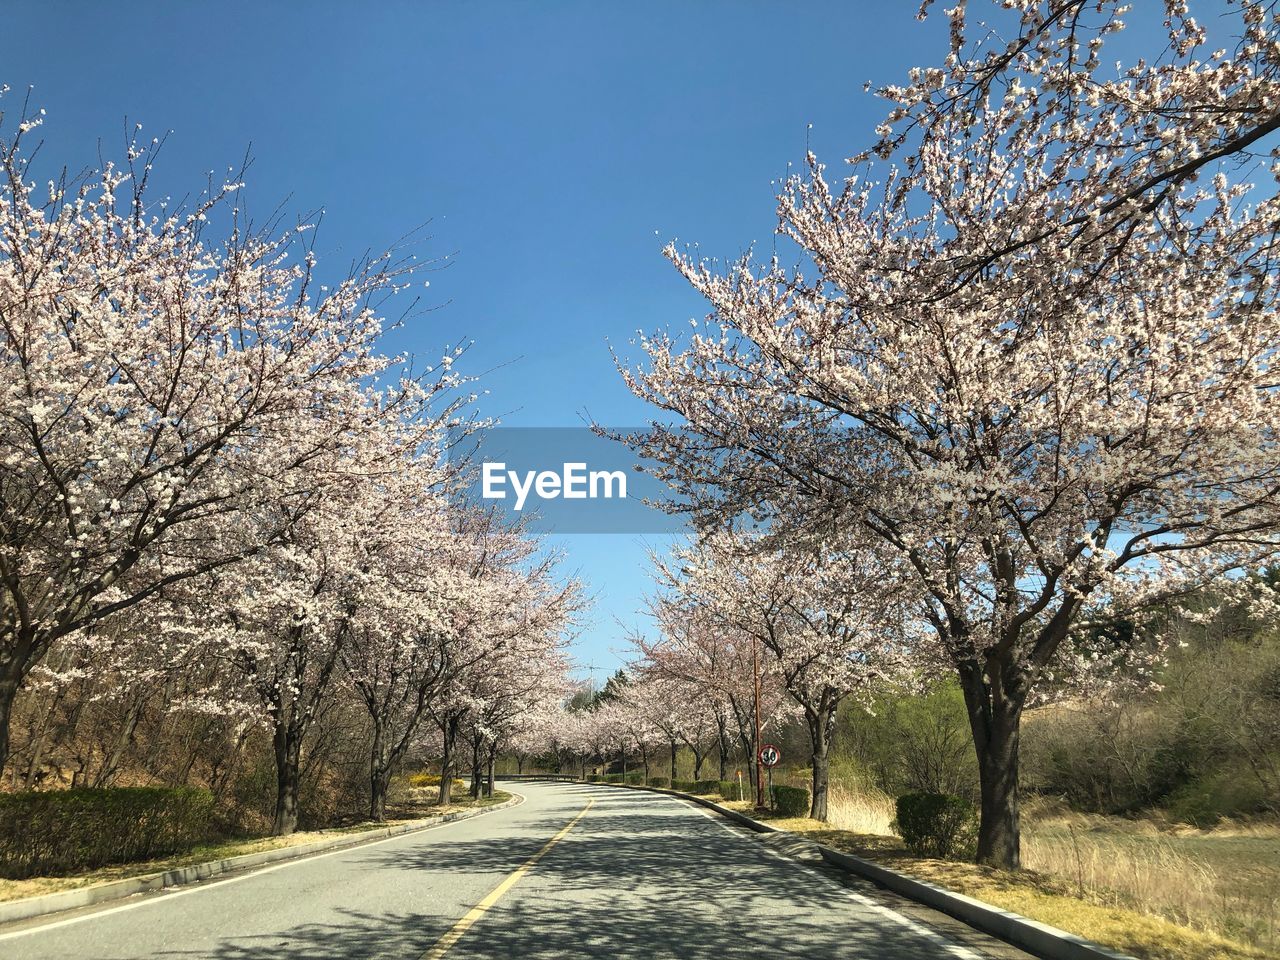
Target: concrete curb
{"type": "Point", "coordinates": [30, 907]}
{"type": "Point", "coordinates": [1031, 935]}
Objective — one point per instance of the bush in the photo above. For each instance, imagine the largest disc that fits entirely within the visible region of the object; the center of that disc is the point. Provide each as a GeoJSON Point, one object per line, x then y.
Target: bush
{"type": "Point", "coordinates": [937, 825]}
{"type": "Point", "coordinates": [729, 790]}
{"type": "Point", "coordinates": [659, 782]}
{"type": "Point", "coordinates": [706, 786]}
{"type": "Point", "coordinates": [684, 786]}
{"type": "Point", "coordinates": [914, 742]}
{"type": "Point", "coordinates": [791, 801]}
{"type": "Point", "coordinates": [60, 831]}
{"type": "Point", "coordinates": [424, 779]}
{"type": "Point", "coordinates": [635, 779]}
{"type": "Point", "coordinates": [594, 778]}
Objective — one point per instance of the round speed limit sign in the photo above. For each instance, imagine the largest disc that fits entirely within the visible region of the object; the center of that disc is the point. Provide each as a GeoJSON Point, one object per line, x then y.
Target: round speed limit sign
{"type": "Point", "coordinates": [770, 755]}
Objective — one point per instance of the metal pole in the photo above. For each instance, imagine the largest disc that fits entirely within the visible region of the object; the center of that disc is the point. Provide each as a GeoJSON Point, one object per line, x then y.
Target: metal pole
{"type": "Point", "coordinates": [755, 666]}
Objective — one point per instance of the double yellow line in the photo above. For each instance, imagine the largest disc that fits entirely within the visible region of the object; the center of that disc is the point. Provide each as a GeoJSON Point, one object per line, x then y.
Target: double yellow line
{"type": "Point", "coordinates": [445, 943]}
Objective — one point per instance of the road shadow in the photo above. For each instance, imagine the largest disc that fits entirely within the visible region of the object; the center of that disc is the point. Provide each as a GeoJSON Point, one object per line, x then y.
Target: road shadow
{"type": "Point", "coordinates": [632, 881]}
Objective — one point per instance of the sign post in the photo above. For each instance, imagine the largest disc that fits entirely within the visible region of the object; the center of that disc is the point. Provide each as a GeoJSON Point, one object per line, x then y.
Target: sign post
{"type": "Point", "coordinates": [769, 757]}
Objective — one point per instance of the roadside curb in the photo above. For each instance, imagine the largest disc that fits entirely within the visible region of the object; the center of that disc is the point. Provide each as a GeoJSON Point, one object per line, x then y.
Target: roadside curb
{"type": "Point", "coordinates": [31, 907]}
{"type": "Point", "coordinates": [1031, 935]}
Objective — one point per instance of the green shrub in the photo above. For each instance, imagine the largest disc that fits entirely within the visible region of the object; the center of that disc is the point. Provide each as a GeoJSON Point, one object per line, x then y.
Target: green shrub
{"type": "Point", "coordinates": [937, 825]}
{"type": "Point", "coordinates": [706, 786]}
{"type": "Point", "coordinates": [659, 782]}
{"type": "Point", "coordinates": [60, 831]}
{"type": "Point", "coordinates": [594, 778]}
{"type": "Point", "coordinates": [613, 778]}
{"type": "Point", "coordinates": [730, 790]}
{"type": "Point", "coordinates": [635, 779]}
{"type": "Point", "coordinates": [791, 801]}
{"type": "Point", "coordinates": [684, 786]}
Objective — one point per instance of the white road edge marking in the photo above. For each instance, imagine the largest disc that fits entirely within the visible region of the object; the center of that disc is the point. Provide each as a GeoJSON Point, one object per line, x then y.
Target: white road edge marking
{"type": "Point", "coordinates": [198, 886]}
{"type": "Point", "coordinates": [917, 928]}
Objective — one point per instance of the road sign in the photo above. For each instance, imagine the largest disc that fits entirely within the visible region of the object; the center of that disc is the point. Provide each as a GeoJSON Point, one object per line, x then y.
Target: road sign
{"type": "Point", "coordinates": [770, 755]}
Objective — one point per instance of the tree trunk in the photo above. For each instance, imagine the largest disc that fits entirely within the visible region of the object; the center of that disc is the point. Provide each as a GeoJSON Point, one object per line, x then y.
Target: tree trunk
{"type": "Point", "coordinates": [698, 757]}
{"type": "Point", "coordinates": [820, 724]}
{"type": "Point", "coordinates": [493, 759]}
{"type": "Point", "coordinates": [722, 744]}
{"type": "Point", "coordinates": [288, 749]}
{"type": "Point", "coordinates": [995, 717]}
{"type": "Point", "coordinates": [379, 774]}
{"type": "Point", "coordinates": [447, 760]}
{"type": "Point", "coordinates": [38, 742]}
{"type": "Point", "coordinates": [111, 760]}
{"type": "Point", "coordinates": [751, 765]}
{"type": "Point", "coordinates": [519, 763]}
{"type": "Point", "coordinates": [673, 761]}
{"type": "Point", "coordinates": [11, 675]}
{"type": "Point", "coordinates": [475, 767]}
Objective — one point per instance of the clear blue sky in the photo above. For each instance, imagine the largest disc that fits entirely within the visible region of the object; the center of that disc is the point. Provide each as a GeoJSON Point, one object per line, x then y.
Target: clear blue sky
{"type": "Point", "coordinates": [555, 145]}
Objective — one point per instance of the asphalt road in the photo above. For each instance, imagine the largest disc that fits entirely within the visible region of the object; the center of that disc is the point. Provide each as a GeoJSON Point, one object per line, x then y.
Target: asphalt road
{"type": "Point", "coordinates": [574, 871]}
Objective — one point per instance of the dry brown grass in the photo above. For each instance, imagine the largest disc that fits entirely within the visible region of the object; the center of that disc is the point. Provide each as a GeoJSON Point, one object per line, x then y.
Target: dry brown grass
{"type": "Point", "coordinates": [1224, 881]}
{"type": "Point", "coordinates": [865, 813]}
{"type": "Point", "coordinates": [1140, 887]}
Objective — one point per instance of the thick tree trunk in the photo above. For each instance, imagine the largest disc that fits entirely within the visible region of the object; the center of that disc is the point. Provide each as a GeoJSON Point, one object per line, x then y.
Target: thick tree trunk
{"type": "Point", "coordinates": [447, 760]}
{"type": "Point", "coordinates": [519, 763]}
{"type": "Point", "coordinates": [995, 717]}
{"type": "Point", "coordinates": [820, 724]}
{"type": "Point", "coordinates": [476, 777]}
{"type": "Point", "coordinates": [698, 758]}
{"type": "Point", "coordinates": [288, 749]}
{"type": "Point", "coordinates": [11, 675]}
{"type": "Point", "coordinates": [673, 760]}
{"type": "Point", "coordinates": [493, 759]}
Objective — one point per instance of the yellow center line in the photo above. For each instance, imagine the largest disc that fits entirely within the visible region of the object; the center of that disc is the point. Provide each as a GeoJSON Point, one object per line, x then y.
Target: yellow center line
{"type": "Point", "coordinates": [445, 943]}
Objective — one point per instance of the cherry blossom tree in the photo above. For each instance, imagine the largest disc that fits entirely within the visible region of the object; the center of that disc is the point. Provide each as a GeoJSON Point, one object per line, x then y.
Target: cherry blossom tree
{"type": "Point", "coordinates": [835, 619]}
{"type": "Point", "coordinates": [672, 709]}
{"type": "Point", "coordinates": [1033, 356]}
{"type": "Point", "coordinates": [158, 383]}
{"type": "Point", "coordinates": [508, 652]}
{"type": "Point", "coordinates": [400, 640]}
{"type": "Point", "coordinates": [720, 660]}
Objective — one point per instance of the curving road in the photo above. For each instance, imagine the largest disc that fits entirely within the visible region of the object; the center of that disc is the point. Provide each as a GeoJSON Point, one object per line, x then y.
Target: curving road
{"type": "Point", "coordinates": [574, 871]}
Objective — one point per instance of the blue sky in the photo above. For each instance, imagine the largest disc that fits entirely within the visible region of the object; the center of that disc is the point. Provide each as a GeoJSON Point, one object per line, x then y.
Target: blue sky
{"type": "Point", "coordinates": [555, 146]}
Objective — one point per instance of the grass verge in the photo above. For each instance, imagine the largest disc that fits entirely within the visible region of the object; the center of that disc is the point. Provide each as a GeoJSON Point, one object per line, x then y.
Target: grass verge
{"type": "Point", "coordinates": [37, 886]}
{"type": "Point", "coordinates": [1096, 915]}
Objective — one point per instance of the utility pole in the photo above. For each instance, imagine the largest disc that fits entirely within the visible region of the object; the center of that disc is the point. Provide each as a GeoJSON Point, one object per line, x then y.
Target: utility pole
{"type": "Point", "coordinates": [755, 667]}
